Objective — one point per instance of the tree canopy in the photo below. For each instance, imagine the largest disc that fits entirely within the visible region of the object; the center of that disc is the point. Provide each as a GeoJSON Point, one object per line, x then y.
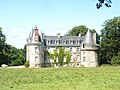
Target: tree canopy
{"type": "Point", "coordinates": [81, 29]}
{"type": "Point", "coordinates": [105, 2]}
{"type": "Point", "coordinates": [2, 40]}
{"type": "Point", "coordinates": [110, 40]}
{"type": "Point", "coordinates": [10, 55]}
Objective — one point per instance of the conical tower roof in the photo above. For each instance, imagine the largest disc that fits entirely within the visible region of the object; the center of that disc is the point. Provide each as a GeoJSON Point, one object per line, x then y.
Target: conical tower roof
{"type": "Point", "coordinates": [34, 36]}
{"type": "Point", "coordinates": [88, 39]}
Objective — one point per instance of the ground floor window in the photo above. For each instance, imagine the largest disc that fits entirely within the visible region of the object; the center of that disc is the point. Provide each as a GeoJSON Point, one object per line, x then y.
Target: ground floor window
{"type": "Point", "coordinates": [84, 59]}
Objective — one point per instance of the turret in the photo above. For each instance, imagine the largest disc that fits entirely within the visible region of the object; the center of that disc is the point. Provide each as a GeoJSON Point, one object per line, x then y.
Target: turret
{"type": "Point", "coordinates": [89, 51]}
{"type": "Point", "coordinates": [35, 49]}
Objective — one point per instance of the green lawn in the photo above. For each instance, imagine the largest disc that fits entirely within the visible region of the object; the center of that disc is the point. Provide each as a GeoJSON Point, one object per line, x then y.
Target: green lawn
{"type": "Point", "coordinates": [100, 78]}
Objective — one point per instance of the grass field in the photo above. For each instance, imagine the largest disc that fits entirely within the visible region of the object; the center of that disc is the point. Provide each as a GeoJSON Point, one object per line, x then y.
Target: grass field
{"type": "Point", "coordinates": [100, 78]}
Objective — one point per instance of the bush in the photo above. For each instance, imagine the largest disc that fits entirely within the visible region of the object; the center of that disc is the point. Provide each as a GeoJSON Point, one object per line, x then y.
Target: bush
{"type": "Point", "coordinates": [16, 63]}
{"type": "Point", "coordinates": [116, 60]}
{"type": "Point", "coordinates": [27, 64]}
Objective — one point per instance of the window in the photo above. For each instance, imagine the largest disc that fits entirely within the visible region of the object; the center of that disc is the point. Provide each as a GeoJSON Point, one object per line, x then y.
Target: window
{"type": "Point", "coordinates": [71, 59]}
{"type": "Point", "coordinates": [84, 59]}
{"type": "Point", "coordinates": [74, 42]}
{"type": "Point", "coordinates": [78, 58]}
{"type": "Point", "coordinates": [70, 49]}
{"type": "Point", "coordinates": [52, 41]}
{"type": "Point", "coordinates": [36, 59]}
{"type": "Point", "coordinates": [83, 45]}
{"type": "Point", "coordinates": [48, 47]}
{"type": "Point", "coordinates": [56, 42]}
{"type": "Point", "coordinates": [77, 49]}
{"type": "Point", "coordinates": [56, 49]}
{"type": "Point", "coordinates": [60, 41]}
{"type": "Point", "coordinates": [67, 41]}
{"type": "Point", "coordinates": [83, 53]}
{"type": "Point", "coordinates": [78, 42]}
{"type": "Point", "coordinates": [71, 42]}
{"type": "Point", "coordinates": [64, 42]}
{"type": "Point", "coordinates": [48, 42]}
{"type": "Point", "coordinates": [36, 49]}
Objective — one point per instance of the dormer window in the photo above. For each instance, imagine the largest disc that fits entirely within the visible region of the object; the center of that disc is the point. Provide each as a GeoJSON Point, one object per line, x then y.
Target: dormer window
{"type": "Point", "coordinates": [67, 41]}
{"type": "Point", "coordinates": [60, 41]}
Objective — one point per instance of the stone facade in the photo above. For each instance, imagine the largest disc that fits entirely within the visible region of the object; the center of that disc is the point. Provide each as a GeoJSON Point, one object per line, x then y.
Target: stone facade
{"type": "Point", "coordinates": [35, 49]}
{"type": "Point", "coordinates": [89, 51]}
{"type": "Point", "coordinates": [84, 50]}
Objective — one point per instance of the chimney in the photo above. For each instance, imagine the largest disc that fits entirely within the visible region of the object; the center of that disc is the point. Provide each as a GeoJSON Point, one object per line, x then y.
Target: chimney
{"type": "Point", "coordinates": [95, 37]}
{"type": "Point", "coordinates": [36, 38]}
{"type": "Point", "coordinates": [58, 34]}
{"type": "Point", "coordinates": [79, 35]}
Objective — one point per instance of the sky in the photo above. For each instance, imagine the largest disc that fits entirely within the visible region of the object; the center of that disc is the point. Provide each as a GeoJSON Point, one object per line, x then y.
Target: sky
{"type": "Point", "coordinates": [18, 17]}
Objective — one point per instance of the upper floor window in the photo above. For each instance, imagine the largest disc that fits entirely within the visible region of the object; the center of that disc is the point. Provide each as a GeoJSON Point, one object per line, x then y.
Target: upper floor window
{"type": "Point", "coordinates": [80, 41]}
{"type": "Point", "coordinates": [36, 59]}
{"type": "Point", "coordinates": [60, 41]}
{"type": "Point", "coordinates": [83, 45]}
{"type": "Point", "coordinates": [67, 41]}
{"type": "Point", "coordinates": [64, 42]}
{"type": "Point", "coordinates": [52, 41]}
{"type": "Point", "coordinates": [36, 49]}
{"type": "Point", "coordinates": [48, 42]}
{"type": "Point", "coordinates": [74, 42]}
{"type": "Point", "coordinates": [71, 42]}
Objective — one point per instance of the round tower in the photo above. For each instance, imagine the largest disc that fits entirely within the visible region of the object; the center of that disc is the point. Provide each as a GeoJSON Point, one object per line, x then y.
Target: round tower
{"type": "Point", "coordinates": [35, 49]}
{"type": "Point", "coordinates": [89, 51]}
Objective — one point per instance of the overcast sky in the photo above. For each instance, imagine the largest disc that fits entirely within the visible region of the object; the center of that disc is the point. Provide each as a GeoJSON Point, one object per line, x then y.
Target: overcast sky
{"type": "Point", "coordinates": [18, 17]}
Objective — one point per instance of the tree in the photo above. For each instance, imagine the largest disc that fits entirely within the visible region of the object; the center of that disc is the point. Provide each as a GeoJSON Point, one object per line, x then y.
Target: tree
{"type": "Point", "coordinates": [54, 56]}
{"type": "Point", "coordinates": [110, 40]}
{"type": "Point", "coordinates": [2, 38]}
{"type": "Point", "coordinates": [116, 60]}
{"type": "Point", "coordinates": [13, 56]}
{"type": "Point", "coordinates": [81, 29]}
{"type": "Point", "coordinates": [61, 56]}
{"type": "Point", "coordinates": [10, 55]}
{"type": "Point", "coordinates": [106, 2]}
{"type": "Point", "coordinates": [2, 44]}
{"type": "Point", "coordinates": [68, 57]}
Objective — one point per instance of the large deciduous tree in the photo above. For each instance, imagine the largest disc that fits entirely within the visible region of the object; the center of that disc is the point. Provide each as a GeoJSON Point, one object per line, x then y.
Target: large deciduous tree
{"type": "Point", "coordinates": [10, 55]}
{"type": "Point", "coordinates": [2, 40]}
{"type": "Point", "coordinates": [81, 29]}
{"type": "Point", "coordinates": [110, 40]}
{"type": "Point", "coordinates": [13, 56]}
{"type": "Point", "coordinates": [2, 44]}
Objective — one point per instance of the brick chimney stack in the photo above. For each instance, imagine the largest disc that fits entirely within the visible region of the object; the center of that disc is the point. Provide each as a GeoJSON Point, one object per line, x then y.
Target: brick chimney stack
{"type": "Point", "coordinates": [36, 38]}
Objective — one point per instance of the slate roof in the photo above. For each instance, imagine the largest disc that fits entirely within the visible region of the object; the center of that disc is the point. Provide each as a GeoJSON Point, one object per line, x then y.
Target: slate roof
{"type": "Point", "coordinates": [31, 37]}
{"type": "Point", "coordinates": [88, 39]}
{"type": "Point", "coordinates": [62, 38]}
